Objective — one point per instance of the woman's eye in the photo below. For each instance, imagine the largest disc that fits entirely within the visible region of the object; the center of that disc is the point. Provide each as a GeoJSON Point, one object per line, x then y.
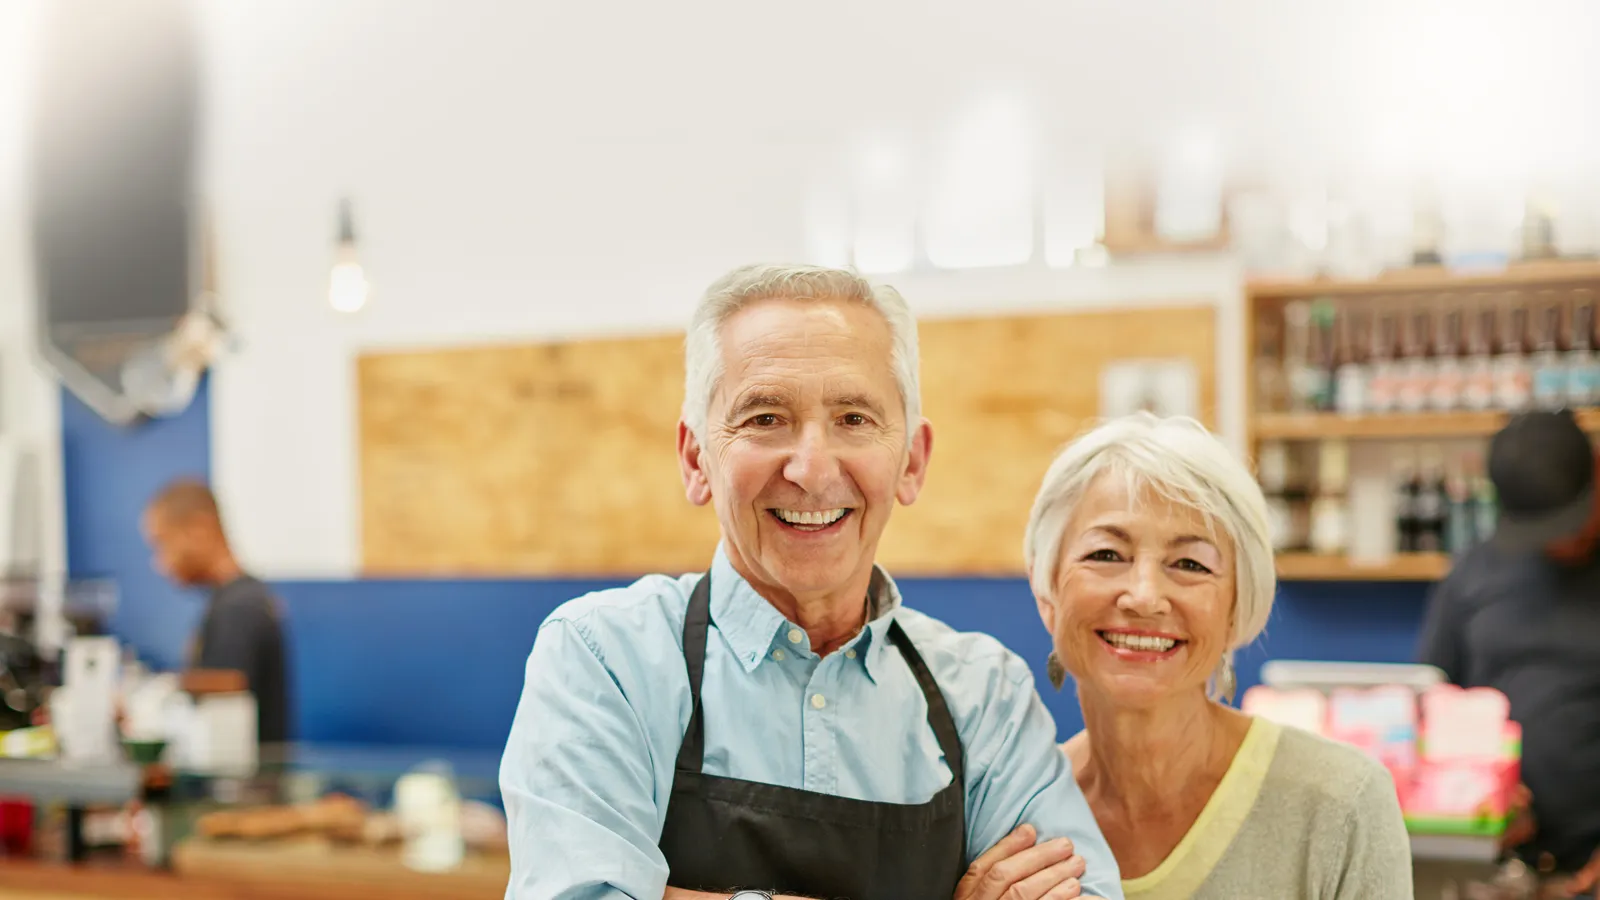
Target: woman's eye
{"type": "Point", "coordinates": [1105, 556]}
{"type": "Point", "coordinates": [1192, 566]}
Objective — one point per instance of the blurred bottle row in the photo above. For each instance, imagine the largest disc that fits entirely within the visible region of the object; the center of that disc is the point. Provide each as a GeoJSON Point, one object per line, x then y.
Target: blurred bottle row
{"type": "Point", "coordinates": [1433, 499]}
{"type": "Point", "coordinates": [1507, 350]}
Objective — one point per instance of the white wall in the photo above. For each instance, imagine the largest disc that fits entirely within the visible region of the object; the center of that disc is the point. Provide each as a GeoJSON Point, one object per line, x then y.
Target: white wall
{"type": "Point", "coordinates": [536, 170]}
{"type": "Point", "coordinates": [30, 411]}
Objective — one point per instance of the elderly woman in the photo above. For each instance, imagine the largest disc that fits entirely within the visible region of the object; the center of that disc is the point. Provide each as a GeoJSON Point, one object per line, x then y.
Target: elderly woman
{"type": "Point", "coordinates": [1149, 555]}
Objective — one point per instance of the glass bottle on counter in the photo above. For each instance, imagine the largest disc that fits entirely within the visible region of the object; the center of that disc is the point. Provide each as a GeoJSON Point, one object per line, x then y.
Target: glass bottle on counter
{"type": "Point", "coordinates": [1549, 361]}
{"type": "Point", "coordinates": [1417, 375]}
{"type": "Point", "coordinates": [1583, 369]}
{"type": "Point", "coordinates": [1513, 377]}
{"type": "Point", "coordinates": [1383, 365]}
{"type": "Point", "coordinates": [1449, 377]}
{"type": "Point", "coordinates": [1272, 471]}
{"type": "Point", "coordinates": [1477, 388]}
{"type": "Point", "coordinates": [1352, 375]}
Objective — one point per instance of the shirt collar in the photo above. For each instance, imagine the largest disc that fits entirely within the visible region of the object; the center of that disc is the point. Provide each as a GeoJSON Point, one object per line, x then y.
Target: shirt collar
{"type": "Point", "coordinates": [751, 625]}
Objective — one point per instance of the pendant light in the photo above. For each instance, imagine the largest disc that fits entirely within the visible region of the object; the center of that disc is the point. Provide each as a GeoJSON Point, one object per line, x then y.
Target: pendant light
{"type": "Point", "coordinates": [347, 284]}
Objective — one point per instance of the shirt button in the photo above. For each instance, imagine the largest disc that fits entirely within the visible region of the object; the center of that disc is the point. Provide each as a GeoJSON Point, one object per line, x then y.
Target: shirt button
{"type": "Point", "coordinates": [778, 654]}
{"type": "Point", "coordinates": [796, 635]}
{"type": "Point", "coordinates": [818, 701]}
{"type": "Point", "coordinates": [850, 654]}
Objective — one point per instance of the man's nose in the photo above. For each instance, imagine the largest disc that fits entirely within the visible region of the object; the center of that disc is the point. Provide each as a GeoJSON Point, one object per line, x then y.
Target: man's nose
{"type": "Point", "coordinates": [813, 464]}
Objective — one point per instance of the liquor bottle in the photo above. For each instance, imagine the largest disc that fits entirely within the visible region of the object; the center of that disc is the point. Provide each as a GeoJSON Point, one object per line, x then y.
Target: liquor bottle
{"type": "Point", "coordinates": [1449, 377]}
{"type": "Point", "coordinates": [1485, 506]}
{"type": "Point", "coordinates": [1353, 374]}
{"type": "Point", "coordinates": [1583, 385]}
{"type": "Point", "coordinates": [1383, 383]}
{"type": "Point", "coordinates": [1513, 377]}
{"type": "Point", "coordinates": [1272, 387]}
{"type": "Point", "coordinates": [1417, 375]}
{"type": "Point", "coordinates": [1549, 361]}
{"type": "Point", "coordinates": [1432, 502]}
{"type": "Point", "coordinates": [1477, 390]}
{"type": "Point", "coordinates": [1298, 366]}
{"type": "Point", "coordinates": [1405, 501]}
{"type": "Point", "coordinates": [1330, 516]}
{"type": "Point", "coordinates": [1323, 322]}
{"type": "Point", "coordinates": [1459, 524]}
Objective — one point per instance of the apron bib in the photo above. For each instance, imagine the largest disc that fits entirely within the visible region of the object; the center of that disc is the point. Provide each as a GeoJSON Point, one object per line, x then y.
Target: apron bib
{"type": "Point", "coordinates": [724, 834]}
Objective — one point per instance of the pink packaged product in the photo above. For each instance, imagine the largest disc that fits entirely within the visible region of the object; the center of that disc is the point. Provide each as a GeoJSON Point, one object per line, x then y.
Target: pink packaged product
{"type": "Point", "coordinates": [1470, 763]}
{"type": "Point", "coordinates": [1382, 722]}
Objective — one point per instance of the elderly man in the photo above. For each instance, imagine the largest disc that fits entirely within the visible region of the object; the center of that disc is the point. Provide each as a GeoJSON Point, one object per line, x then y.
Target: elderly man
{"type": "Point", "coordinates": [781, 723]}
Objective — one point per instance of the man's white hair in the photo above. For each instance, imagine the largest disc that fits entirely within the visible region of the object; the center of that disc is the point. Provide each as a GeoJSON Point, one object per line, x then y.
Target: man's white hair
{"type": "Point", "coordinates": [1178, 459]}
{"type": "Point", "coordinates": [750, 284]}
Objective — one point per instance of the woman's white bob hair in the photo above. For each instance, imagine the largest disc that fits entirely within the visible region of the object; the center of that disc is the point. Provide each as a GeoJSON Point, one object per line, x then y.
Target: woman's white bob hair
{"type": "Point", "coordinates": [1178, 459]}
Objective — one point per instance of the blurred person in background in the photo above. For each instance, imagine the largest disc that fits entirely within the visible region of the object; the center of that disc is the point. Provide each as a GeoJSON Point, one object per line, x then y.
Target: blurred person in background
{"type": "Point", "coordinates": [1149, 553]}
{"type": "Point", "coordinates": [1520, 613]}
{"type": "Point", "coordinates": [782, 723]}
{"type": "Point", "coordinates": [242, 629]}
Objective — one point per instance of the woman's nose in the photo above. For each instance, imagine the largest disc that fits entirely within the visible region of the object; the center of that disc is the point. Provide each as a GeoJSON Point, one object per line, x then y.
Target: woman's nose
{"type": "Point", "coordinates": [1145, 593]}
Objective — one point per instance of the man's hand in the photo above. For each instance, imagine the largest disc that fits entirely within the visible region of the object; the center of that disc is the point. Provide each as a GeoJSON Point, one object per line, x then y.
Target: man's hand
{"type": "Point", "coordinates": [1586, 883]}
{"type": "Point", "coordinates": [1016, 869]}
{"type": "Point", "coordinates": [1521, 826]}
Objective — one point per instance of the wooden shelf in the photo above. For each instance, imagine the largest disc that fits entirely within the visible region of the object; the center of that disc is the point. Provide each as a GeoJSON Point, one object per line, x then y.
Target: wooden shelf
{"type": "Point", "coordinates": [1316, 426]}
{"type": "Point", "coordinates": [1403, 567]}
{"type": "Point", "coordinates": [1429, 278]}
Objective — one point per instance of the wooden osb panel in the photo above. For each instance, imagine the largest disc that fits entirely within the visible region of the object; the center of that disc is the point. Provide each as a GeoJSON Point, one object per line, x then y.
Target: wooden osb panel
{"type": "Point", "coordinates": [537, 459]}
{"type": "Point", "coordinates": [1004, 394]}
{"type": "Point", "coordinates": [557, 459]}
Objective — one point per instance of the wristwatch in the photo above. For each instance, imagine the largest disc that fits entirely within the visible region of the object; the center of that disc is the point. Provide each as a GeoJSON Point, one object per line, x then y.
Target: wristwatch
{"type": "Point", "coordinates": [751, 895]}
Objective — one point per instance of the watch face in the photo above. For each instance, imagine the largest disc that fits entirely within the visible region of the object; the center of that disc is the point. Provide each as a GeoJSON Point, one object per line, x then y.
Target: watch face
{"type": "Point", "coordinates": [751, 895]}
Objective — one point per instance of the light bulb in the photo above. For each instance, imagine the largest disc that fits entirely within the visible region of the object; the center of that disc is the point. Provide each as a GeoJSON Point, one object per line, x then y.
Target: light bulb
{"type": "Point", "coordinates": [347, 284]}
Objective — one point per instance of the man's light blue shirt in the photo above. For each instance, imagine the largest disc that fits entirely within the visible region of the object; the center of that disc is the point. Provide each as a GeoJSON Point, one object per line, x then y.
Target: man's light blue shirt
{"type": "Point", "coordinates": [588, 768]}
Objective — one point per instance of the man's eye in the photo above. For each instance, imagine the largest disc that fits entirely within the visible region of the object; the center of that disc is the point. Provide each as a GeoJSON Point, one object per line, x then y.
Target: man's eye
{"type": "Point", "coordinates": [853, 419]}
{"type": "Point", "coordinates": [765, 420]}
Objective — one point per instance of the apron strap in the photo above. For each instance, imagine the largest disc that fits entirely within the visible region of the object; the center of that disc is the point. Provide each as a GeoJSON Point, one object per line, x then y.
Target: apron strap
{"type": "Point", "coordinates": [939, 718]}
{"type": "Point", "coordinates": [692, 752]}
{"type": "Point", "coordinates": [696, 622]}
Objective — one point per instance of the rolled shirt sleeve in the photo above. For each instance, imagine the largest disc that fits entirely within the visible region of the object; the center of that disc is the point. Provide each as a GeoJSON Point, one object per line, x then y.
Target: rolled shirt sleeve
{"type": "Point", "coordinates": [1024, 777]}
{"type": "Point", "coordinates": [577, 781]}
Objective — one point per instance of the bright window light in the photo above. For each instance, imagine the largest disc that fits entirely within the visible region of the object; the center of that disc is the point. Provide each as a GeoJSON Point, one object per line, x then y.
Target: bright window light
{"type": "Point", "coordinates": [981, 201]}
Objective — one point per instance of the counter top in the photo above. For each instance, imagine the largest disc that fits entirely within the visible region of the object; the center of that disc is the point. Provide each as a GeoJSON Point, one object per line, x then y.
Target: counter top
{"type": "Point", "coordinates": [308, 870]}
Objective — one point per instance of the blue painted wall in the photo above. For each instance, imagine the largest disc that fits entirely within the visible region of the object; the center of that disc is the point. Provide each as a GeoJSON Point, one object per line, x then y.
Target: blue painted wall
{"type": "Point", "coordinates": [440, 662]}
{"type": "Point", "coordinates": [110, 474]}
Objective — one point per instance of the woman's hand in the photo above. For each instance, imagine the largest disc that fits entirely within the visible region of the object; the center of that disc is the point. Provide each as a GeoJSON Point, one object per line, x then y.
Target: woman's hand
{"type": "Point", "coordinates": [1016, 869]}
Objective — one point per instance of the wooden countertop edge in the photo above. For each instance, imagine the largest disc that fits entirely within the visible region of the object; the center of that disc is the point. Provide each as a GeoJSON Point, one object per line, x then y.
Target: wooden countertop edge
{"type": "Point", "coordinates": [113, 882]}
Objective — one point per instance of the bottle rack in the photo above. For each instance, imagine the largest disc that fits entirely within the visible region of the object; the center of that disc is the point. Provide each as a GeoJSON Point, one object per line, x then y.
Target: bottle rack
{"type": "Point", "coordinates": [1532, 308]}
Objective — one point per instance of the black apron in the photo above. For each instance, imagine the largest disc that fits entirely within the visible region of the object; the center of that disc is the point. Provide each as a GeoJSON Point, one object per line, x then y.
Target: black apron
{"type": "Point", "coordinates": [723, 834]}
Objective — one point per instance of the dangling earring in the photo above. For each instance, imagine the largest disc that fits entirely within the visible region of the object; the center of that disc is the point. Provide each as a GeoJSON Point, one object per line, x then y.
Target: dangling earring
{"type": "Point", "coordinates": [1226, 683]}
{"type": "Point", "coordinates": [1056, 672]}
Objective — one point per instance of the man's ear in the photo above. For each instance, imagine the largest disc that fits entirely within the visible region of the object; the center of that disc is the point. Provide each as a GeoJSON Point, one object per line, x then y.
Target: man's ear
{"type": "Point", "coordinates": [696, 481]}
{"type": "Point", "coordinates": [917, 457]}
